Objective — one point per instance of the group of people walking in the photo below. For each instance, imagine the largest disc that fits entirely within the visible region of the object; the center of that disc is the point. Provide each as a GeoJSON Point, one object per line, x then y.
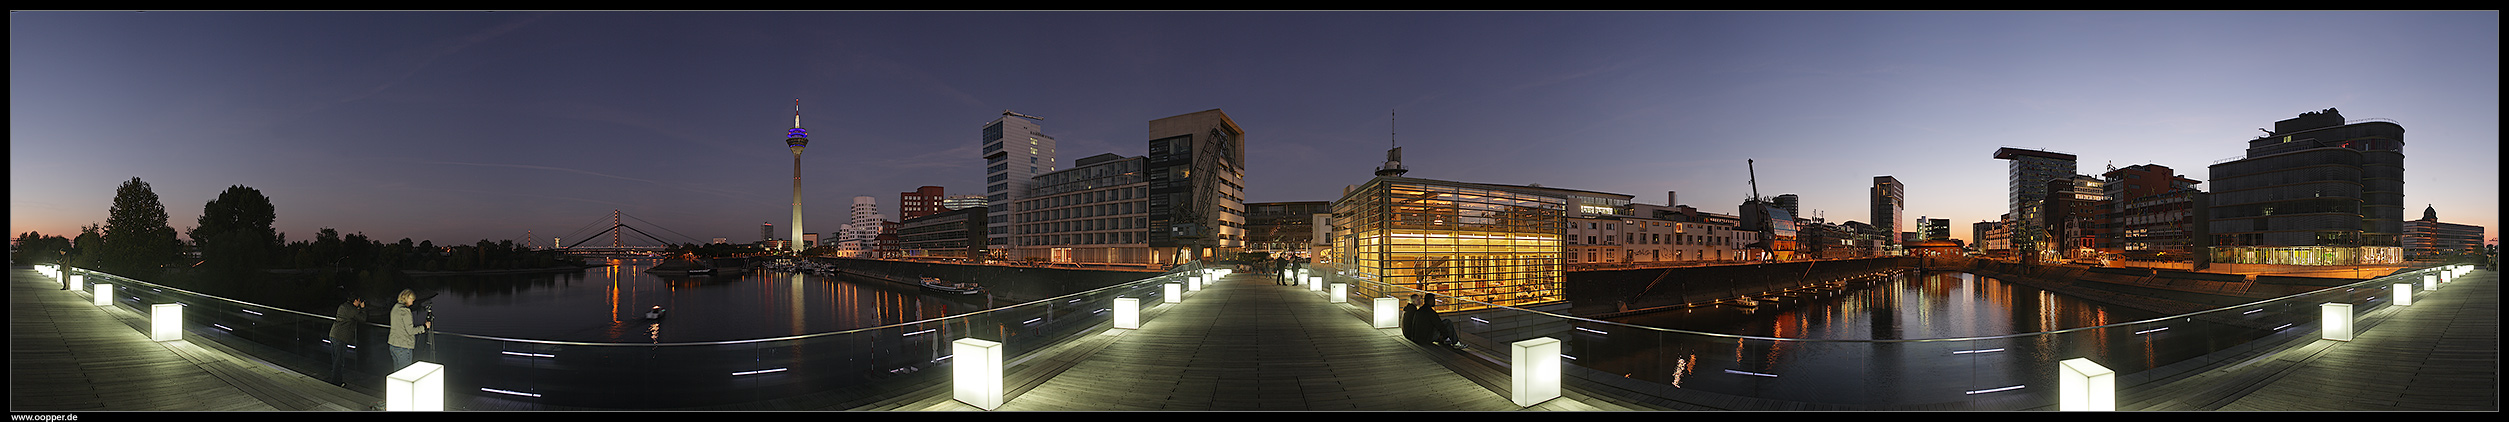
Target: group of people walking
{"type": "Point", "coordinates": [401, 339]}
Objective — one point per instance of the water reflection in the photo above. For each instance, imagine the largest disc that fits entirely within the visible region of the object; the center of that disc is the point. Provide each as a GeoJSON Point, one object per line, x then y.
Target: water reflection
{"type": "Point", "coordinates": [608, 305]}
{"type": "Point", "coordinates": [1907, 307]}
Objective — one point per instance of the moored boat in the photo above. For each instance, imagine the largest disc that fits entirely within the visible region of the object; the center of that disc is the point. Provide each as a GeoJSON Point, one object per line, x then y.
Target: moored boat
{"type": "Point", "coordinates": [937, 284]}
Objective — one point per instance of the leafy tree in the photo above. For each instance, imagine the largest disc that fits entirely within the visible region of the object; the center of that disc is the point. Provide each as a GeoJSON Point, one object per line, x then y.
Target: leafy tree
{"type": "Point", "coordinates": [36, 248]}
{"type": "Point", "coordinates": [88, 249]}
{"type": "Point", "coordinates": [137, 241]}
{"type": "Point", "coordinates": [235, 236]}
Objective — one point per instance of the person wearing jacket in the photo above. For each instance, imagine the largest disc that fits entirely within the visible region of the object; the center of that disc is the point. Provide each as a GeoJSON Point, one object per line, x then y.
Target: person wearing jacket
{"type": "Point", "coordinates": [405, 330]}
{"type": "Point", "coordinates": [343, 333]}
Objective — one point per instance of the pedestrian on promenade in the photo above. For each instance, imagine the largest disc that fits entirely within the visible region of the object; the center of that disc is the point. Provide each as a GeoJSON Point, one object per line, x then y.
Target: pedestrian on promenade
{"type": "Point", "coordinates": [405, 329]}
{"type": "Point", "coordinates": [350, 315]}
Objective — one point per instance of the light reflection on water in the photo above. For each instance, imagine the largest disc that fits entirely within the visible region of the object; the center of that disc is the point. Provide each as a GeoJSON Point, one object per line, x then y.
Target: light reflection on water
{"type": "Point", "coordinates": [1910, 306]}
{"type": "Point", "coordinates": [608, 305]}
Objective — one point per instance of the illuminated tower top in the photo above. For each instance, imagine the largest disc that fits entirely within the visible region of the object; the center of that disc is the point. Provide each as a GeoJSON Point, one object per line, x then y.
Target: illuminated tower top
{"type": "Point", "coordinates": [797, 137]}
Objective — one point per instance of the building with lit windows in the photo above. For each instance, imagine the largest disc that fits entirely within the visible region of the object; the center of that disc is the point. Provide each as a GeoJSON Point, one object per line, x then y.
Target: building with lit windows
{"type": "Point", "coordinates": [1493, 244]}
{"type": "Point", "coordinates": [1890, 204]}
{"type": "Point", "coordinates": [922, 202]}
{"type": "Point", "coordinates": [2428, 238]}
{"type": "Point", "coordinates": [2026, 176]}
{"type": "Point", "coordinates": [2315, 191]}
{"type": "Point", "coordinates": [1015, 152]}
{"type": "Point", "coordinates": [952, 234]}
{"type": "Point", "coordinates": [1096, 212]}
{"type": "Point", "coordinates": [1284, 229]}
{"type": "Point", "coordinates": [1196, 169]}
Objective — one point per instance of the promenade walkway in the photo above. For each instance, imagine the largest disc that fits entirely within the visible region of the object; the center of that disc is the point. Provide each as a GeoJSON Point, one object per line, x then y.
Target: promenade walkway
{"type": "Point", "coordinates": [67, 354]}
{"type": "Point", "coordinates": [1244, 343]}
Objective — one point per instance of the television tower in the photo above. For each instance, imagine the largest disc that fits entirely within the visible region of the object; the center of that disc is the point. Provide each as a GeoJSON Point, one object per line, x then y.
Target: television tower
{"type": "Point", "coordinates": [796, 139]}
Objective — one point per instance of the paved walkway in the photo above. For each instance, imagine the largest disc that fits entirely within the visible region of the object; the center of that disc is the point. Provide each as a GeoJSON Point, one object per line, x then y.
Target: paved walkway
{"type": "Point", "coordinates": [2442, 353]}
{"type": "Point", "coordinates": [67, 354]}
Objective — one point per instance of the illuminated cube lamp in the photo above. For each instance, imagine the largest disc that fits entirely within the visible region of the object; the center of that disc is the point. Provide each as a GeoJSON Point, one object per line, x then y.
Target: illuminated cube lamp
{"type": "Point", "coordinates": [1127, 313]}
{"type": "Point", "coordinates": [1175, 293]}
{"type": "Point", "coordinates": [1386, 316]}
{"type": "Point", "coordinates": [2085, 386]}
{"type": "Point", "coordinates": [165, 322]}
{"type": "Point", "coordinates": [1339, 290]}
{"type": "Point", "coordinates": [104, 294]}
{"type": "Point", "coordinates": [1315, 284]}
{"type": "Point", "coordinates": [417, 387]}
{"type": "Point", "coordinates": [2430, 282]}
{"type": "Point", "coordinates": [976, 374]}
{"type": "Point", "coordinates": [1193, 284]}
{"type": "Point", "coordinates": [2338, 325]}
{"type": "Point", "coordinates": [2404, 294]}
{"type": "Point", "coordinates": [1535, 372]}
{"type": "Point", "coordinates": [78, 281]}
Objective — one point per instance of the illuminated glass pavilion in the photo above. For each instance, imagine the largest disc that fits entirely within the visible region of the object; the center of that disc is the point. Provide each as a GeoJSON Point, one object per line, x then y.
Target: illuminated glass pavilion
{"type": "Point", "coordinates": [1482, 243]}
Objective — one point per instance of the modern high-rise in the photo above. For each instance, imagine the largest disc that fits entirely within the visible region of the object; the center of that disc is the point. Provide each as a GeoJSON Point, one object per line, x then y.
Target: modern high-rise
{"type": "Point", "coordinates": [862, 228]}
{"type": "Point", "coordinates": [2314, 191]}
{"type": "Point", "coordinates": [1196, 171]}
{"type": "Point", "coordinates": [1890, 202]}
{"type": "Point", "coordinates": [2026, 186]}
{"type": "Point", "coordinates": [1789, 202]}
{"type": "Point", "coordinates": [1015, 152]}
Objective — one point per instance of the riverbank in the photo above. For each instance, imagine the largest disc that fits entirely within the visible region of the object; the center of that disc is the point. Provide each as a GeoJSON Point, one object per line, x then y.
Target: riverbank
{"type": "Point", "coordinates": [549, 270]}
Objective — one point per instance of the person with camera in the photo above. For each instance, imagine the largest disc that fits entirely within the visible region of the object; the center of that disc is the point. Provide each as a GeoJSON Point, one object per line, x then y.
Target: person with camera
{"type": "Point", "coordinates": [405, 330]}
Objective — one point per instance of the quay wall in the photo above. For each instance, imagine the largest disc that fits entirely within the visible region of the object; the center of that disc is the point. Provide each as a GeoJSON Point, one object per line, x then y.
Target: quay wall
{"type": "Point", "coordinates": [1012, 283]}
{"type": "Point", "coordinates": [1609, 291]}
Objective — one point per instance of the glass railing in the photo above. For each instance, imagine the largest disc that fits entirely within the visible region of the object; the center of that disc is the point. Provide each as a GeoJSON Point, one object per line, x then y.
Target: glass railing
{"type": "Point", "coordinates": [2010, 372]}
{"type": "Point", "coordinates": [834, 370]}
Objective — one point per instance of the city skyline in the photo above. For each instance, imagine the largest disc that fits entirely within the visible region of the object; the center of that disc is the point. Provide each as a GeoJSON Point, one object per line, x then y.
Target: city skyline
{"type": "Point", "coordinates": [460, 126]}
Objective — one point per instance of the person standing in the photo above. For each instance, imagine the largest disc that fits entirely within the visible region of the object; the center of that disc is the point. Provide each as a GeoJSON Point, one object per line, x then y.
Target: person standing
{"type": "Point", "coordinates": [405, 330]}
{"type": "Point", "coordinates": [344, 332]}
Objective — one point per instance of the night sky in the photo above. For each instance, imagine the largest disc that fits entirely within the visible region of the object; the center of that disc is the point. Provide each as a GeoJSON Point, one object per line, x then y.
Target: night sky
{"type": "Point", "coordinates": [461, 126]}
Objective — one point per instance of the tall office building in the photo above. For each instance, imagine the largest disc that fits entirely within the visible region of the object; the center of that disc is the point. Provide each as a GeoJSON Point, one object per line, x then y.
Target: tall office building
{"type": "Point", "coordinates": [1196, 170]}
{"type": "Point", "coordinates": [2314, 191]}
{"type": "Point", "coordinates": [2026, 178]}
{"type": "Point", "coordinates": [1791, 203]}
{"type": "Point", "coordinates": [1890, 200]}
{"type": "Point", "coordinates": [1015, 152]}
{"type": "Point", "coordinates": [862, 227]}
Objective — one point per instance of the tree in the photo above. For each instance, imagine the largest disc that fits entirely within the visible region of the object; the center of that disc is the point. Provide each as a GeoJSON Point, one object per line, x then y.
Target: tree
{"type": "Point", "coordinates": [235, 236]}
{"type": "Point", "coordinates": [36, 248]}
{"type": "Point", "coordinates": [137, 242]}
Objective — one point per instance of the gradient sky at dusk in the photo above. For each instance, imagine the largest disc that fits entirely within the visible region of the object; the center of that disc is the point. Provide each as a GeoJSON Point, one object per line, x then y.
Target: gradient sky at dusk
{"type": "Point", "coordinates": [461, 126]}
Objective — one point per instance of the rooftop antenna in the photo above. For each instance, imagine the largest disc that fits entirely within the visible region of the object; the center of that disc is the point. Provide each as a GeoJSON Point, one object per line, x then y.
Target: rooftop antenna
{"type": "Point", "coordinates": [1393, 157]}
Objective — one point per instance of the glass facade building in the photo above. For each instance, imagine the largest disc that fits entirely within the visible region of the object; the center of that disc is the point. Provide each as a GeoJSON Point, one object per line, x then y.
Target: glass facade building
{"type": "Point", "coordinates": [2314, 192]}
{"type": "Point", "coordinates": [1483, 243]}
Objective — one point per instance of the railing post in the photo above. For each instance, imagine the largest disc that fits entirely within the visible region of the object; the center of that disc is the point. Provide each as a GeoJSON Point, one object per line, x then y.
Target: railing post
{"type": "Point", "coordinates": [2082, 385]}
{"type": "Point", "coordinates": [1534, 368]}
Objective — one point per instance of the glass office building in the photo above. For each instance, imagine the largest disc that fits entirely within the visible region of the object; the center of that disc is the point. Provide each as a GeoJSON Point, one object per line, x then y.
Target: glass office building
{"type": "Point", "coordinates": [1484, 243]}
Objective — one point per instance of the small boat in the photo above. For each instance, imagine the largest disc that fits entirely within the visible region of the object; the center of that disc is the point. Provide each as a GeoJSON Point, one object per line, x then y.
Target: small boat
{"type": "Point", "coordinates": [701, 271]}
{"type": "Point", "coordinates": [655, 314]}
{"type": "Point", "coordinates": [948, 287]}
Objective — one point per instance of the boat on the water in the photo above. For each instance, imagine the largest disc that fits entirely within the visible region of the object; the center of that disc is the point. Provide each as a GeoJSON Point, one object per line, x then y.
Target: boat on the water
{"type": "Point", "coordinates": [655, 314]}
{"type": "Point", "coordinates": [936, 284]}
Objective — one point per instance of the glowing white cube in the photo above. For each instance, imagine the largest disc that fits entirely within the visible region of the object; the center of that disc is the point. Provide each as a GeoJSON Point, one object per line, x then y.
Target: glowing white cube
{"type": "Point", "coordinates": [976, 373]}
{"type": "Point", "coordinates": [1534, 371]}
{"type": "Point", "coordinates": [78, 282]}
{"type": "Point", "coordinates": [2404, 294]}
{"type": "Point", "coordinates": [2338, 325]}
{"type": "Point", "coordinates": [1339, 290]}
{"type": "Point", "coordinates": [1127, 313]}
{"type": "Point", "coordinates": [1175, 293]}
{"type": "Point", "coordinates": [104, 294]}
{"type": "Point", "coordinates": [1315, 284]}
{"type": "Point", "coordinates": [2430, 282]}
{"type": "Point", "coordinates": [1386, 315]}
{"type": "Point", "coordinates": [165, 322]}
{"type": "Point", "coordinates": [2085, 386]}
{"type": "Point", "coordinates": [1193, 284]}
{"type": "Point", "coordinates": [417, 387]}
